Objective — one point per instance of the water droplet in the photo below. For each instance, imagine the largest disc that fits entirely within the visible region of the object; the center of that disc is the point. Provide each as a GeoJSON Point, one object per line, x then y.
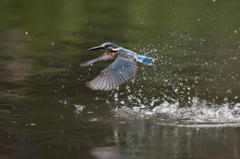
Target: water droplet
{"type": "Point", "coordinates": [79, 108]}
{"type": "Point", "coordinates": [32, 124]}
{"type": "Point", "coordinates": [122, 102]}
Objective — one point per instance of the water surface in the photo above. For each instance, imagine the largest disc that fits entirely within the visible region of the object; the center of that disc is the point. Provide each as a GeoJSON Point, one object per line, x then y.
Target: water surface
{"type": "Point", "coordinates": [186, 106]}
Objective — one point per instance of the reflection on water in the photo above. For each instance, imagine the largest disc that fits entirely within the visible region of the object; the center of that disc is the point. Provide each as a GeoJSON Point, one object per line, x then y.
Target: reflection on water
{"type": "Point", "coordinates": [186, 106]}
{"type": "Point", "coordinates": [106, 152]}
{"type": "Point", "coordinates": [145, 140]}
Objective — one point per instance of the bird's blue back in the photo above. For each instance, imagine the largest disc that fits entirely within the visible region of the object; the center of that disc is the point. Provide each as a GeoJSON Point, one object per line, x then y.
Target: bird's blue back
{"type": "Point", "coordinates": [132, 55]}
{"type": "Point", "coordinates": [145, 60]}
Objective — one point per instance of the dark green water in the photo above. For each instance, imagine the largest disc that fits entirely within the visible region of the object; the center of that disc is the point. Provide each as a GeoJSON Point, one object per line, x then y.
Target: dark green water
{"type": "Point", "coordinates": [186, 106]}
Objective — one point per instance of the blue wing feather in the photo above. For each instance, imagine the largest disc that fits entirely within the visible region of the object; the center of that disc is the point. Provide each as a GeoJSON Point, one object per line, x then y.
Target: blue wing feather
{"type": "Point", "coordinates": [120, 71]}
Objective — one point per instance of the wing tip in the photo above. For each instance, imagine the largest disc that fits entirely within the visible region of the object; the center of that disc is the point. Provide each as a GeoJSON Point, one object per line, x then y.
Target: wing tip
{"type": "Point", "coordinates": [83, 64]}
{"type": "Point", "coordinates": [93, 87]}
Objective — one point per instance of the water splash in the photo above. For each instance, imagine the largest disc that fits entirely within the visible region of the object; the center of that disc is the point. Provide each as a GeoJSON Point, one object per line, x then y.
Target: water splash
{"type": "Point", "coordinates": [182, 88]}
{"type": "Point", "coordinates": [200, 112]}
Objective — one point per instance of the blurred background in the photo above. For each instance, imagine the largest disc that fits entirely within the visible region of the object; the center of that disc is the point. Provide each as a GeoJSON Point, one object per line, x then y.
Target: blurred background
{"type": "Point", "coordinates": [186, 106]}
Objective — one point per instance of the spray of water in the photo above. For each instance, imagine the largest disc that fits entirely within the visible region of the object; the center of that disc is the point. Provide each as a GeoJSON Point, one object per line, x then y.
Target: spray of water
{"type": "Point", "coordinates": [182, 88]}
{"type": "Point", "coordinates": [200, 112]}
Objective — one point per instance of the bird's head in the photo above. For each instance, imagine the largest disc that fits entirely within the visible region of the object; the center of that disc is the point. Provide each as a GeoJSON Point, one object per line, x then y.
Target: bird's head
{"type": "Point", "coordinates": [107, 46]}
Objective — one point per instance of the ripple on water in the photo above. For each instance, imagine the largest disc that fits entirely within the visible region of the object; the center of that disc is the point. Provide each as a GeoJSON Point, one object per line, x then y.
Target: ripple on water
{"type": "Point", "coordinates": [199, 114]}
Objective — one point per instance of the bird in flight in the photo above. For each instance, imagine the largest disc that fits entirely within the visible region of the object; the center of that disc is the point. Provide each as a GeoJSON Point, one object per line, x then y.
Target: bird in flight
{"type": "Point", "coordinates": [123, 68]}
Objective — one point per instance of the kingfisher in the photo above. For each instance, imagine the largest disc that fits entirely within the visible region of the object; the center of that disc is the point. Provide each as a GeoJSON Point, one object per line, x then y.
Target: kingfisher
{"type": "Point", "coordinates": [123, 68]}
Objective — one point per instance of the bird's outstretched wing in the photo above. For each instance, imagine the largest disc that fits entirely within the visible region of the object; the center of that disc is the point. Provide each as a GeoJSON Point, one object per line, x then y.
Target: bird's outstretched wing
{"type": "Point", "coordinates": [120, 71]}
{"type": "Point", "coordinates": [104, 57]}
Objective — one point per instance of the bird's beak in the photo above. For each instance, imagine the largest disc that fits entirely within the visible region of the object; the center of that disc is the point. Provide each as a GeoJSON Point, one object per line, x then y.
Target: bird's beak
{"type": "Point", "coordinates": [96, 48]}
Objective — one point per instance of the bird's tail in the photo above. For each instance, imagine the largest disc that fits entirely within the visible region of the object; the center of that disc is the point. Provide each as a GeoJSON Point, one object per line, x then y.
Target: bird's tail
{"type": "Point", "coordinates": [145, 60]}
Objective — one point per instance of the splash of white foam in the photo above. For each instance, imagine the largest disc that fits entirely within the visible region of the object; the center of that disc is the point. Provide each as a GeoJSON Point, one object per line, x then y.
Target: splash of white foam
{"type": "Point", "coordinates": [199, 112]}
{"type": "Point", "coordinates": [79, 108]}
